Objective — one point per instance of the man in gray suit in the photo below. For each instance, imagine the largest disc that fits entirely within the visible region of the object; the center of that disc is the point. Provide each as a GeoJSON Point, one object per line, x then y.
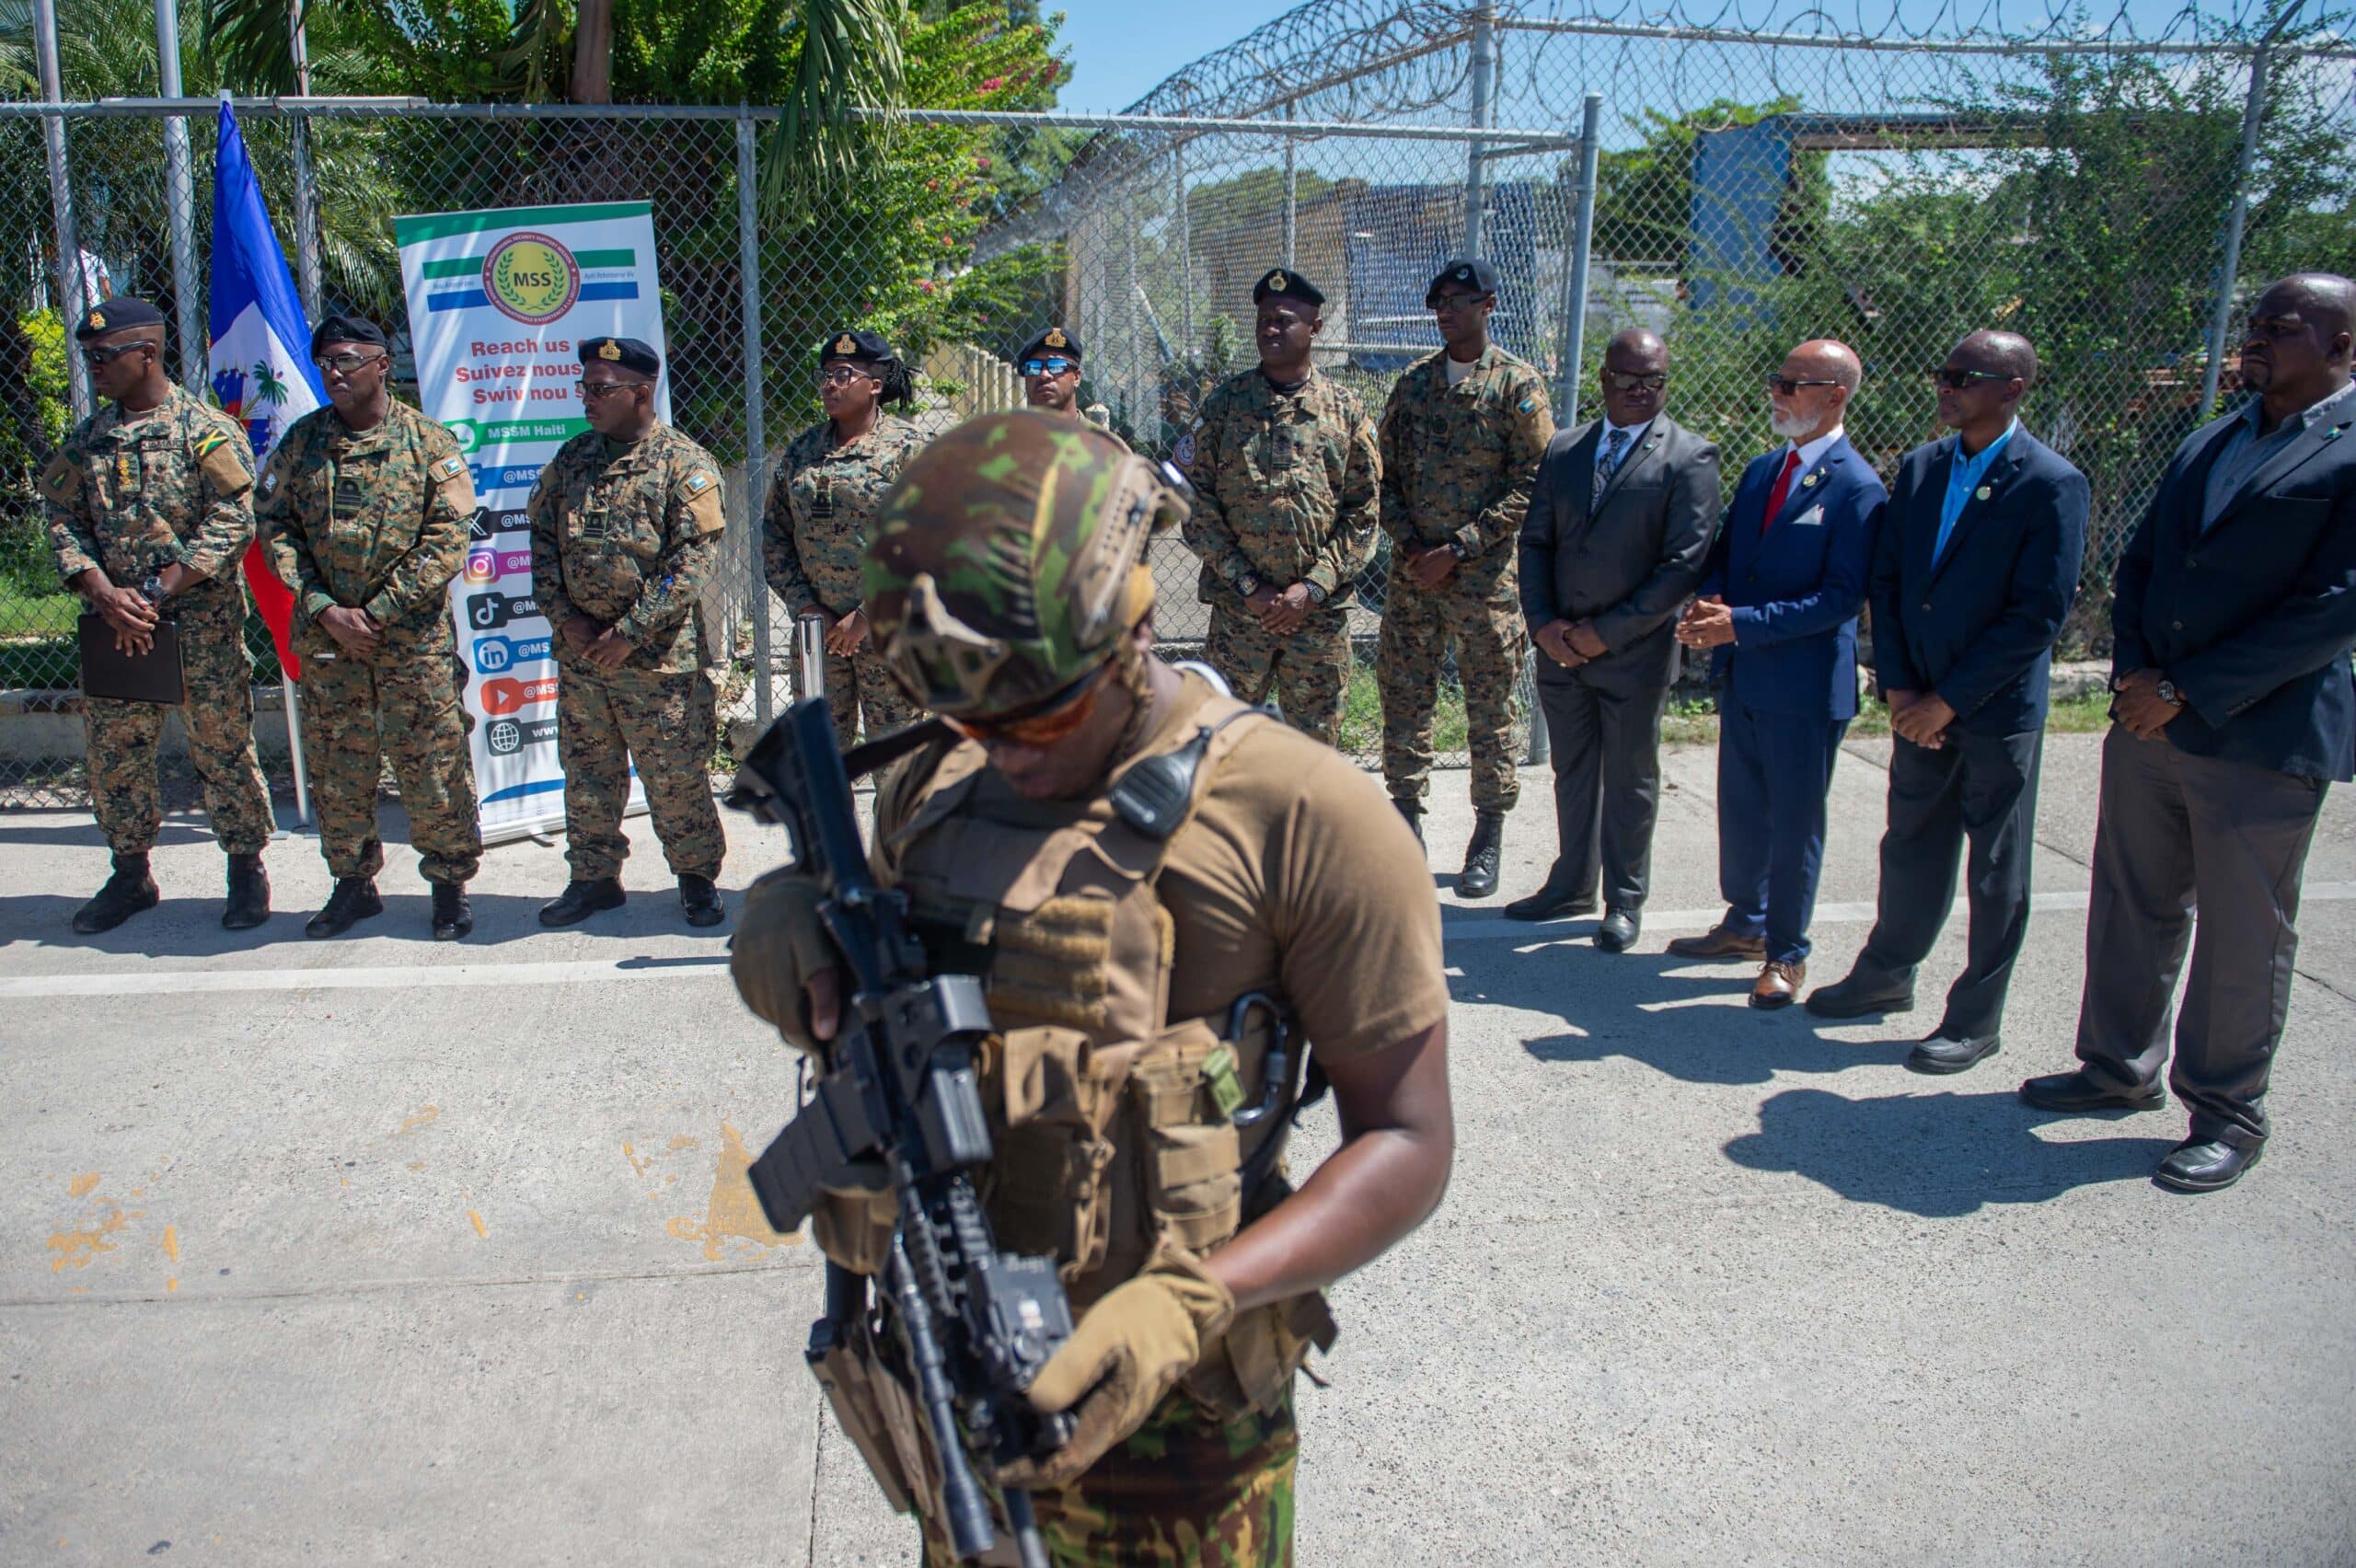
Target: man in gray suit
{"type": "Point", "coordinates": [1621, 522]}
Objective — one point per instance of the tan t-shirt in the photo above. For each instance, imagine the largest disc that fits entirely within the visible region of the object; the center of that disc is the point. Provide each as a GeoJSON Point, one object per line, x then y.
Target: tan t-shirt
{"type": "Point", "coordinates": [1295, 875]}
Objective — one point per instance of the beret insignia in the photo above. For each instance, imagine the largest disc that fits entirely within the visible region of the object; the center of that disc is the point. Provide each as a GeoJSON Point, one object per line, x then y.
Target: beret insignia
{"type": "Point", "coordinates": [846, 344]}
{"type": "Point", "coordinates": [609, 350]}
{"type": "Point", "coordinates": [97, 319]}
{"type": "Point", "coordinates": [1277, 282]}
{"type": "Point", "coordinates": [1056, 339]}
{"type": "Point", "coordinates": [1464, 275]}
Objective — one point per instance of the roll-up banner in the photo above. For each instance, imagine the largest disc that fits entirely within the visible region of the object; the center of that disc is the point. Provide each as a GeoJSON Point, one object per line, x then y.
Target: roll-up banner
{"type": "Point", "coordinates": [497, 301]}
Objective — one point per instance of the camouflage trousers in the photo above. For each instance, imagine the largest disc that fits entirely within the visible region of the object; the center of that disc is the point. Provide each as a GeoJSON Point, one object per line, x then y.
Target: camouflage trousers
{"type": "Point", "coordinates": [402, 706]}
{"type": "Point", "coordinates": [857, 684]}
{"type": "Point", "coordinates": [1182, 1492]}
{"type": "Point", "coordinates": [665, 723]}
{"type": "Point", "coordinates": [124, 737]}
{"type": "Point", "coordinates": [1308, 667]}
{"type": "Point", "coordinates": [1491, 640]}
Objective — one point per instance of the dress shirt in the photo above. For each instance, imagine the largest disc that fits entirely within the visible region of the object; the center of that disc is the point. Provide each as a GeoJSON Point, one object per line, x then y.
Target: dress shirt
{"type": "Point", "coordinates": [1964, 474]}
{"type": "Point", "coordinates": [2245, 451]}
{"type": "Point", "coordinates": [1631, 437]}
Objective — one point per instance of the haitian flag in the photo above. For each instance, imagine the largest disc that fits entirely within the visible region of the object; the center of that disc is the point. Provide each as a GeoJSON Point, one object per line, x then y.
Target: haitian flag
{"type": "Point", "coordinates": [260, 361]}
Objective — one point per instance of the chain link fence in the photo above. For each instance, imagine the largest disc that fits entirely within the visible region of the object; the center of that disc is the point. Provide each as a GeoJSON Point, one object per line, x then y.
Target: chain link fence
{"type": "Point", "coordinates": [1891, 188]}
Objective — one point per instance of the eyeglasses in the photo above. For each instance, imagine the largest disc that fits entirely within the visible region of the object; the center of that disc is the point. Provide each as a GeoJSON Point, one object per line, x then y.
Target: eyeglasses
{"type": "Point", "coordinates": [343, 363]}
{"type": "Point", "coordinates": [840, 375]}
{"type": "Point", "coordinates": [1620, 382]}
{"type": "Point", "coordinates": [591, 391]}
{"type": "Point", "coordinates": [1787, 385]}
{"type": "Point", "coordinates": [1459, 301]}
{"type": "Point", "coordinates": [1048, 366]}
{"type": "Point", "coordinates": [97, 358]}
{"type": "Point", "coordinates": [1960, 380]}
{"type": "Point", "coordinates": [1042, 725]}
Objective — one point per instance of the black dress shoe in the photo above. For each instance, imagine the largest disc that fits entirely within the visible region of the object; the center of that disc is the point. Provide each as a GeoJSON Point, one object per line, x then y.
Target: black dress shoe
{"type": "Point", "coordinates": [582, 899]}
{"type": "Point", "coordinates": [700, 900]}
{"type": "Point", "coordinates": [1858, 996]}
{"type": "Point", "coordinates": [2205, 1165]}
{"type": "Point", "coordinates": [354, 899]}
{"type": "Point", "coordinates": [1618, 932]}
{"type": "Point", "coordinates": [1945, 1053]}
{"type": "Point", "coordinates": [2072, 1092]}
{"type": "Point", "coordinates": [453, 915]}
{"type": "Point", "coordinates": [1550, 901]}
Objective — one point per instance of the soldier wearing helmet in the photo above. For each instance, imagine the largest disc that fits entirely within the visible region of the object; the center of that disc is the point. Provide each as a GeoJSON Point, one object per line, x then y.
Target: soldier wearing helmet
{"type": "Point", "coordinates": [1166, 894]}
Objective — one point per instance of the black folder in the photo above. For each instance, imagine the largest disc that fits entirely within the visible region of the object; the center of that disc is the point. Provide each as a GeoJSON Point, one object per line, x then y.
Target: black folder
{"type": "Point", "coordinates": [153, 676]}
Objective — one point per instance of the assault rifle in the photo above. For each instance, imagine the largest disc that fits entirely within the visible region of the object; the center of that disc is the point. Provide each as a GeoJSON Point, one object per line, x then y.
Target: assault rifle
{"type": "Point", "coordinates": [900, 1106]}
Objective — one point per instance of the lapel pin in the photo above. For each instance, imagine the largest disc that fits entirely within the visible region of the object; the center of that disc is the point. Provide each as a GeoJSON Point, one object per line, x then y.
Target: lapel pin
{"type": "Point", "coordinates": [2333, 433]}
{"type": "Point", "coordinates": [1808, 483]}
{"type": "Point", "coordinates": [1983, 493]}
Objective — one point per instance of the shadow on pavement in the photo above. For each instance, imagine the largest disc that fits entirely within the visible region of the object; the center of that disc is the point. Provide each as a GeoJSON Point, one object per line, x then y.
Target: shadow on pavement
{"type": "Point", "coordinates": [1940, 1155]}
{"type": "Point", "coordinates": [187, 924]}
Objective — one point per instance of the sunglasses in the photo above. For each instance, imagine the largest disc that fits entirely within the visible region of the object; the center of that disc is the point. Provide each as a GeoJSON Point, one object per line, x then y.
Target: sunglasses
{"type": "Point", "coordinates": [1619, 383]}
{"type": "Point", "coordinates": [96, 358]}
{"type": "Point", "coordinates": [346, 363]}
{"type": "Point", "coordinates": [591, 391]}
{"type": "Point", "coordinates": [1961, 380]}
{"type": "Point", "coordinates": [1787, 385]}
{"type": "Point", "coordinates": [1459, 301]}
{"type": "Point", "coordinates": [1048, 366]}
{"type": "Point", "coordinates": [1044, 724]}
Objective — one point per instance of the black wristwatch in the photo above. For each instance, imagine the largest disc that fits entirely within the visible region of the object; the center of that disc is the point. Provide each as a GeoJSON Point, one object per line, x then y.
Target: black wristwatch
{"type": "Point", "coordinates": [1456, 547]}
{"type": "Point", "coordinates": [153, 589]}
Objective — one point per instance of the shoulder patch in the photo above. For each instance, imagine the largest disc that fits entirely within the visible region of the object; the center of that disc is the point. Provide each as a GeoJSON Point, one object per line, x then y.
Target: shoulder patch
{"type": "Point", "coordinates": [447, 469]}
{"type": "Point", "coordinates": [221, 461]}
{"type": "Point", "coordinates": [1528, 403]}
{"type": "Point", "coordinates": [62, 478]}
{"type": "Point", "coordinates": [701, 501]}
{"type": "Point", "coordinates": [207, 441]}
{"type": "Point", "coordinates": [1183, 452]}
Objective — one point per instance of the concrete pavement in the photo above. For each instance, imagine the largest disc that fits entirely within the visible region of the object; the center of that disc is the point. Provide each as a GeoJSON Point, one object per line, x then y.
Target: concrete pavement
{"type": "Point", "coordinates": [385, 1250]}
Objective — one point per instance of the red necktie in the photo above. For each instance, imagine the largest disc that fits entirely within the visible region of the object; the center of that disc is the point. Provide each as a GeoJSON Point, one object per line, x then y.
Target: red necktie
{"type": "Point", "coordinates": [1783, 488]}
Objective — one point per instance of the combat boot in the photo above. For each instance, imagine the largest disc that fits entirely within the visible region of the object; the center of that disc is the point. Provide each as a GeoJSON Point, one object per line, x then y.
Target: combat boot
{"type": "Point", "coordinates": [249, 894]}
{"type": "Point", "coordinates": [126, 892]}
{"type": "Point", "coordinates": [1479, 877]}
{"type": "Point", "coordinates": [700, 900]}
{"type": "Point", "coordinates": [582, 899]}
{"type": "Point", "coordinates": [453, 915]}
{"type": "Point", "coordinates": [354, 899]}
{"type": "Point", "coordinates": [1413, 811]}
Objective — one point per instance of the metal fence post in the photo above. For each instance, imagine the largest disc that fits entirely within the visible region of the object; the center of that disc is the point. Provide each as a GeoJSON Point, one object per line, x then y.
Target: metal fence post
{"type": "Point", "coordinates": [180, 197]}
{"type": "Point", "coordinates": [748, 266]}
{"type": "Point", "coordinates": [1292, 190]}
{"type": "Point", "coordinates": [307, 191]}
{"type": "Point", "coordinates": [1476, 162]}
{"type": "Point", "coordinates": [1575, 276]}
{"type": "Point", "coordinates": [2229, 264]}
{"type": "Point", "coordinates": [60, 196]}
{"type": "Point", "coordinates": [1185, 251]}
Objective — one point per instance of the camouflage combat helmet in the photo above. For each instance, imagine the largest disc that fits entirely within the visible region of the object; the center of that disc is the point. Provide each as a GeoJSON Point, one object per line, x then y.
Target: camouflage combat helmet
{"type": "Point", "coordinates": [1008, 561]}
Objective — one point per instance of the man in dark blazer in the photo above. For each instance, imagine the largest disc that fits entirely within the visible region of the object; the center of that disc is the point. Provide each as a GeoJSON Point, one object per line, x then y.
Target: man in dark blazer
{"type": "Point", "coordinates": [1779, 606]}
{"type": "Point", "coordinates": [1974, 573]}
{"type": "Point", "coordinates": [1618, 530]}
{"type": "Point", "coordinates": [2234, 614]}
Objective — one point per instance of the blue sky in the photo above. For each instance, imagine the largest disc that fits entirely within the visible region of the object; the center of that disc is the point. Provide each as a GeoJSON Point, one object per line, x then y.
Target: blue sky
{"type": "Point", "coordinates": [1121, 48]}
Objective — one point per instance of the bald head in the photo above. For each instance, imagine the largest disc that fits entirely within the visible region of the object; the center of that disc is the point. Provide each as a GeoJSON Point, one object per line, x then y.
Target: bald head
{"type": "Point", "coordinates": [1635, 377]}
{"type": "Point", "coordinates": [1808, 396]}
{"type": "Point", "coordinates": [1830, 359]}
{"type": "Point", "coordinates": [1636, 342]}
{"type": "Point", "coordinates": [1998, 353]}
{"type": "Point", "coordinates": [2297, 349]}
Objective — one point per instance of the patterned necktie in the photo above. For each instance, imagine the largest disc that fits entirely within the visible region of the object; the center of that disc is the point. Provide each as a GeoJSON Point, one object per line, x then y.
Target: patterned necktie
{"type": "Point", "coordinates": [1608, 462]}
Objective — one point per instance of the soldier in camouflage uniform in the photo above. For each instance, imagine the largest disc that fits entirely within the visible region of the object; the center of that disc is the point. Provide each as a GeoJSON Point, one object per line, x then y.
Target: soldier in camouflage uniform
{"type": "Point", "coordinates": [1049, 365]}
{"type": "Point", "coordinates": [822, 510]}
{"type": "Point", "coordinates": [364, 507]}
{"type": "Point", "coordinates": [1284, 472]}
{"type": "Point", "coordinates": [1462, 436]}
{"type": "Point", "coordinates": [1011, 596]}
{"type": "Point", "coordinates": [626, 526]}
{"type": "Point", "coordinates": [150, 507]}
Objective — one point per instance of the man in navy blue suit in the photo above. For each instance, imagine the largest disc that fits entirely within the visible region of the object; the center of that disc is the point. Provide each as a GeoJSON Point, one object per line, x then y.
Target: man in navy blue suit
{"type": "Point", "coordinates": [1974, 573]}
{"type": "Point", "coordinates": [2234, 614]}
{"type": "Point", "coordinates": [1779, 609]}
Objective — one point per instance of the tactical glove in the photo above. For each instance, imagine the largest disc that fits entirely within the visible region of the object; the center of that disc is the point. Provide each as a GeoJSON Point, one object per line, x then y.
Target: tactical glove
{"type": "Point", "coordinates": [778, 946]}
{"type": "Point", "coordinates": [1129, 1350]}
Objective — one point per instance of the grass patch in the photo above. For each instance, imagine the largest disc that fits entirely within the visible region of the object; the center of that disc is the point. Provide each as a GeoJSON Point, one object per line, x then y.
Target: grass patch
{"type": "Point", "coordinates": [24, 614]}
{"type": "Point", "coordinates": [1693, 720]}
{"type": "Point", "coordinates": [1362, 717]}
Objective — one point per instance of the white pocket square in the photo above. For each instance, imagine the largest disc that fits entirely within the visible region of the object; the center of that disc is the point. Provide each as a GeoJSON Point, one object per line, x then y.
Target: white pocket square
{"type": "Point", "coordinates": [1812, 518]}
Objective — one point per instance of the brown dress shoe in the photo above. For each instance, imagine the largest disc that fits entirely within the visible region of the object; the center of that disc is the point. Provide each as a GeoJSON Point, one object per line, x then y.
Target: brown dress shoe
{"type": "Point", "coordinates": [1718, 942]}
{"type": "Point", "coordinates": [1778, 983]}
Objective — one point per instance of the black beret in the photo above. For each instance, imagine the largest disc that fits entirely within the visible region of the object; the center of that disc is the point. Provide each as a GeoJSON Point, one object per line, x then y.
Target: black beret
{"type": "Point", "coordinates": [627, 352]}
{"type": "Point", "coordinates": [117, 315]}
{"type": "Point", "coordinates": [1290, 284]}
{"type": "Point", "coordinates": [868, 346]}
{"type": "Point", "coordinates": [1469, 270]}
{"type": "Point", "coordinates": [347, 330]}
{"type": "Point", "coordinates": [1054, 340]}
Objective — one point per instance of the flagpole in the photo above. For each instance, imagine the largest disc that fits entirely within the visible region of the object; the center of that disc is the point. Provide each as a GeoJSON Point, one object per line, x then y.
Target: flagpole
{"type": "Point", "coordinates": [306, 280]}
{"type": "Point", "coordinates": [180, 198]}
{"type": "Point", "coordinates": [294, 748]}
